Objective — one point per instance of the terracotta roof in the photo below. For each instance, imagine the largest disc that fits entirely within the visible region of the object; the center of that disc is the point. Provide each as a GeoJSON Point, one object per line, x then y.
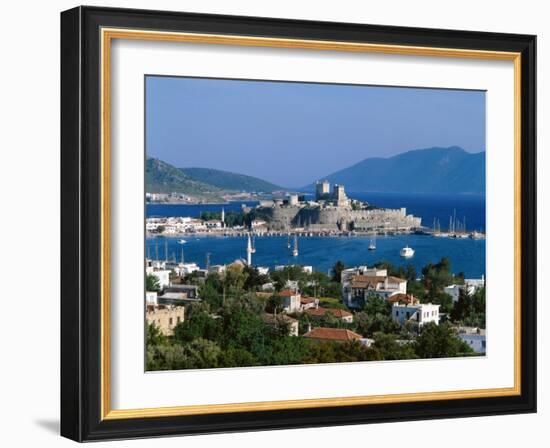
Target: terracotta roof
{"type": "Point", "coordinates": [288, 293]}
{"type": "Point", "coordinates": [305, 299]}
{"type": "Point", "coordinates": [332, 334]}
{"type": "Point", "coordinates": [403, 298]}
{"type": "Point", "coordinates": [363, 281]}
{"type": "Point", "coordinates": [319, 312]}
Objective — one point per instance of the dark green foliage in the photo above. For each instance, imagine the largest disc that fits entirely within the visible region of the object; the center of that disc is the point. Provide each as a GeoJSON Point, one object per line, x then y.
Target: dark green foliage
{"type": "Point", "coordinates": [470, 310]}
{"type": "Point", "coordinates": [337, 271]}
{"type": "Point", "coordinates": [389, 348]}
{"type": "Point", "coordinates": [227, 329]}
{"type": "Point", "coordinates": [377, 305]}
{"type": "Point", "coordinates": [161, 177]}
{"type": "Point", "coordinates": [152, 283]}
{"type": "Point", "coordinates": [226, 180]}
{"type": "Point", "coordinates": [370, 324]}
{"type": "Point", "coordinates": [440, 341]}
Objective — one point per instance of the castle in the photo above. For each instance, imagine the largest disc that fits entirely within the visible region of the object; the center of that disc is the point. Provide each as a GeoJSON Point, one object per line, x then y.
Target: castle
{"type": "Point", "coordinates": [333, 211]}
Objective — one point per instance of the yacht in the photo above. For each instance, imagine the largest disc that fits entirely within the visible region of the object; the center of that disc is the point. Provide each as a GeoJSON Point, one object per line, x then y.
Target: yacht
{"type": "Point", "coordinates": [295, 250]}
{"type": "Point", "coordinates": [182, 241]}
{"type": "Point", "coordinates": [372, 244]}
{"type": "Point", "coordinates": [406, 252]}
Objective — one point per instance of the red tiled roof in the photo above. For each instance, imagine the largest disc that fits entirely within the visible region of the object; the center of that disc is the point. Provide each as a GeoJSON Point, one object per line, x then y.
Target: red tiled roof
{"type": "Point", "coordinates": [288, 293]}
{"type": "Point", "coordinates": [403, 298]}
{"type": "Point", "coordinates": [332, 334]}
{"type": "Point", "coordinates": [319, 312]}
{"type": "Point", "coordinates": [304, 299]}
{"type": "Point", "coordinates": [363, 281]}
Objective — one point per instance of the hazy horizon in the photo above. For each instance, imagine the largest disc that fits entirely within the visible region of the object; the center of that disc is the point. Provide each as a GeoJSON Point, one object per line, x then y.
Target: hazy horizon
{"type": "Point", "coordinates": [291, 133]}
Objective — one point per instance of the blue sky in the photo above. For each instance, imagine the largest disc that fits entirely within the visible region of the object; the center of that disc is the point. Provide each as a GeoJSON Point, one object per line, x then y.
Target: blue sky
{"type": "Point", "coordinates": [294, 133]}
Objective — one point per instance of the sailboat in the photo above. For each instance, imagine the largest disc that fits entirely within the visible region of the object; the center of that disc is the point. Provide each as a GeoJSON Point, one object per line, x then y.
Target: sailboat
{"type": "Point", "coordinates": [372, 244]}
{"type": "Point", "coordinates": [295, 250]}
{"type": "Point", "coordinates": [288, 245]}
{"type": "Point", "coordinates": [253, 244]}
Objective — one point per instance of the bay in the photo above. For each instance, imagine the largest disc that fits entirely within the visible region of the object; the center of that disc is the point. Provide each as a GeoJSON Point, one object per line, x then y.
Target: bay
{"type": "Point", "coordinates": [466, 255]}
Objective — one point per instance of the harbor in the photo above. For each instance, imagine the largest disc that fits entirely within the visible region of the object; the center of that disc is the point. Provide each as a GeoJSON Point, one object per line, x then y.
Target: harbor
{"type": "Point", "coordinates": [466, 255]}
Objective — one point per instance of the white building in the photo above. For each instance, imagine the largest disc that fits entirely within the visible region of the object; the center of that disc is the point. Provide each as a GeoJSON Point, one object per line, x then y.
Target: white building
{"type": "Point", "coordinates": [357, 288]}
{"type": "Point", "coordinates": [291, 301]}
{"type": "Point", "coordinates": [151, 298]}
{"type": "Point", "coordinates": [186, 268]}
{"type": "Point", "coordinates": [362, 270]}
{"type": "Point", "coordinates": [471, 285]}
{"type": "Point", "coordinates": [262, 270]}
{"type": "Point", "coordinates": [162, 275]}
{"type": "Point", "coordinates": [420, 313]}
{"type": "Point", "coordinates": [474, 337]}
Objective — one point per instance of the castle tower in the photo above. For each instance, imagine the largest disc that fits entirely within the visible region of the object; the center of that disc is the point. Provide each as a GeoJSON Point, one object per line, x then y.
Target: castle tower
{"type": "Point", "coordinates": [339, 195]}
{"type": "Point", "coordinates": [322, 190]}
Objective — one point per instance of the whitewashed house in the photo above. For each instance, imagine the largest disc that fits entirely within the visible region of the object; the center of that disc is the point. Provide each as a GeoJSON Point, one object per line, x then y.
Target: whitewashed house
{"type": "Point", "coordinates": [291, 300]}
{"type": "Point", "coordinates": [162, 275]}
{"type": "Point", "coordinates": [420, 313]}
{"type": "Point", "coordinates": [151, 298]}
{"type": "Point", "coordinates": [357, 288]}
{"type": "Point", "coordinates": [474, 337]}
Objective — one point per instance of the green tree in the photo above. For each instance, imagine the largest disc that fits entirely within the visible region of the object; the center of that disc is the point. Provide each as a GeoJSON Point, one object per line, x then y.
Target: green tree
{"type": "Point", "coordinates": [337, 271]}
{"type": "Point", "coordinates": [376, 305]}
{"type": "Point", "coordinates": [154, 336]}
{"type": "Point", "coordinates": [470, 309]}
{"type": "Point", "coordinates": [152, 283]}
{"type": "Point", "coordinates": [440, 341]}
{"type": "Point", "coordinates": [390, 349]}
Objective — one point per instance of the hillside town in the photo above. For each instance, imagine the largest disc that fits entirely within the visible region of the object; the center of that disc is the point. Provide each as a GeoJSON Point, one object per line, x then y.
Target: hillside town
{"type": "Point", "coordinates": [240, 314]}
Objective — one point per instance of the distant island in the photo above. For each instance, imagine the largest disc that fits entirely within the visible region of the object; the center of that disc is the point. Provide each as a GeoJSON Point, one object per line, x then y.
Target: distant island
{"type": "Point", "coordinates": [432, 170]}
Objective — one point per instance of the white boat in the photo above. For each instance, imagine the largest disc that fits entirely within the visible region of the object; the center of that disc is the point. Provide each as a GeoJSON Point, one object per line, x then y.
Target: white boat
{"type": "Point", "coordinates": [372, 244]}
{"type": "Point", "coordinates": [295, 250]}
{"type": "Point", "coordinates": [182, 241]}
{"type": "Point", "coordinates": [406, 252]}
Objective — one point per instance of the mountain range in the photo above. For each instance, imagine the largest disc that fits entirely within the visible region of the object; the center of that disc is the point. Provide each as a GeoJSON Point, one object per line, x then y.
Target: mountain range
{"type": "Point", "coordinates": [432, 170]}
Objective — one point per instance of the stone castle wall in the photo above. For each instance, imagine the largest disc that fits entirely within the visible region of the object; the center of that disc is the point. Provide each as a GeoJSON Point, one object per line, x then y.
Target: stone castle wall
{"type": "Point", "coordinates": [282, 218]}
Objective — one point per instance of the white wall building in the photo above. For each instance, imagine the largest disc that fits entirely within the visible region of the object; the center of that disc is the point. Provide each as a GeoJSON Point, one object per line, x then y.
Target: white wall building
{"type": "Point", "coordinates": [474, 337]}
{"type": "Point", "coordinates": [186, 268]}
{"type": "Point", "coordinates": [357, 288]}
{"type": "Point", "coordinates": [162, 275]}
{"type": "Point", "coordinates": [471, 285]}
{"type": "Point", "coordinates": [421, 313]}
{"type": "Point", "coordinates": [151, 298]}
{"type": "Point", "coordinates": [291, 301]}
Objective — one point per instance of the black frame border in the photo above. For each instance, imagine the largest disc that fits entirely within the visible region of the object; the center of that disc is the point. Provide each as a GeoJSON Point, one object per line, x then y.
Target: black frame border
{"type": "Point", "coordinates": [81, 224]}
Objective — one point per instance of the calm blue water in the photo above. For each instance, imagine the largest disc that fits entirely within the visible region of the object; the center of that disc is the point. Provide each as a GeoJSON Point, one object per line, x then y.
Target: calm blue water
{"type": "Point", "coordinates": [194, 210]}
{"type": "Point", "coordinates": [466, 255]}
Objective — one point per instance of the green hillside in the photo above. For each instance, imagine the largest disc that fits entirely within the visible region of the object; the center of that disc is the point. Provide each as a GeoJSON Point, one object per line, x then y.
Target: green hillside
{"type": "Point", "coordinates": [226, 180]}
{"type": "Point", "coordinates": [161, 177]}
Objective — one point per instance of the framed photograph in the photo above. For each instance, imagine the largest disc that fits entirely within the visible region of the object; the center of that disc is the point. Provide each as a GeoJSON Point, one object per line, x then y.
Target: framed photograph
{"type": "Point", "coordinates": [273, 223]}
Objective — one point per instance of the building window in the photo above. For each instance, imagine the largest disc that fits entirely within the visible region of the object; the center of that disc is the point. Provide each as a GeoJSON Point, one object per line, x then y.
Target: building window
{"type": "Point", "coordinates": [170, 321]}
{"type": "Point", "coordinates": [179, 319]}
